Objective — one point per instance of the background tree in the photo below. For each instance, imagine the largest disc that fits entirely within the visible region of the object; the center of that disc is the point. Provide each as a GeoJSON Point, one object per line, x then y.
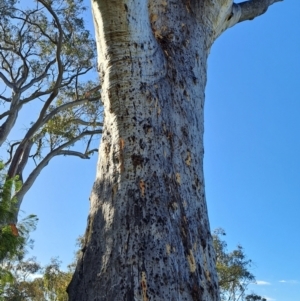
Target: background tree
{"type": "Point", "coordinates": [33, 282]}
{"type": "Point", "coordinates": [148, 235]}
{"type": "Point", "coordinates": [45, 56]}
{"type": "Point", "coordinates": [233, 270]}
{"type": "Point", "coordinates": [12, 239]}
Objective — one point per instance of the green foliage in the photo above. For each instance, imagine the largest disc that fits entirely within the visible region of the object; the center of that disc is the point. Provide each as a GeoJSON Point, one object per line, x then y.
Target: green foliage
{"type": "Point", "coordinates": [254, 297]}
{"type": "Point", "coordinates": [32, 282]}
{"type": "Point", "coordinates": [56, 281]}
{"type": "Point", "coordinates": [12, 238]}
{"type": "Point", "coordinates": [233, 271]}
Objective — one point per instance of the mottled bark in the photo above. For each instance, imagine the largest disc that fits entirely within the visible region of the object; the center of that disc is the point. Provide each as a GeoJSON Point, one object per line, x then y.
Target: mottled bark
{"type": "Point", "coordinates": [148, 235]}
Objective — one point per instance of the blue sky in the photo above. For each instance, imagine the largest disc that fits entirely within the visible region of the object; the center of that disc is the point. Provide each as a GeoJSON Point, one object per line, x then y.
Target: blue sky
{"type": "Point", "coordinates": [252, 156]}
{"type": "Point", "coordinates": [252, 145]}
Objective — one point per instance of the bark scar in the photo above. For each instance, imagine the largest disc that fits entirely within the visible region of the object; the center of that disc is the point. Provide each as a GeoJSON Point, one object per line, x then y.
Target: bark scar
{"type": "Point", "coordinates": [144, 286]}
{"type": "Point", "coordinates": [142, 187]}
{"type": "Point", "coordinates": [192, 262]}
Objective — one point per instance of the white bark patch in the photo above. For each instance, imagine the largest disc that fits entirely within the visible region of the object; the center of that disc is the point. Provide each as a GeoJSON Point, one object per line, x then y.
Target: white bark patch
{"type": "Point", "coordinates": [188, 158]}
{"type": "Point", "coordinates": [108, 214]}
{"type": "Point", "coordinates": [168, 249]}
{"type": "Point", "coordinates": [178, 178]}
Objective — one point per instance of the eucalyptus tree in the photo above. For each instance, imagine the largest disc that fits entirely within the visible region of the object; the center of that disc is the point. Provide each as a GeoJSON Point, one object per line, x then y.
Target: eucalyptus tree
{"type": "Point", "coordinates": [148, 235]}
{"type": "Point", "coordinates": [46, 58]}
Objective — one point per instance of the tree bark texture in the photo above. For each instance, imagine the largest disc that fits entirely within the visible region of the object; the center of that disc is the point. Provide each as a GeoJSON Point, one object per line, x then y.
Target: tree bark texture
{"type": "Point", "coordinates": [148, 235]}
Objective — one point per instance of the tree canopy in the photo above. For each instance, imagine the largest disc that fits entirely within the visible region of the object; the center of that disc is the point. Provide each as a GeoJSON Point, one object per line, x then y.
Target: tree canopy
{"type": "Point", "coordinates": [46, 55]}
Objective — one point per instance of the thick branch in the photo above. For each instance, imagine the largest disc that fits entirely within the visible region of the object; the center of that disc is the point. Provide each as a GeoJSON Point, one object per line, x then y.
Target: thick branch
{"type": "Point", "coordinates": [238, 12]}
{"type": "Point", "coordinates": [8, 124]}
{"type": "Point", "coordinates": [254, 8]}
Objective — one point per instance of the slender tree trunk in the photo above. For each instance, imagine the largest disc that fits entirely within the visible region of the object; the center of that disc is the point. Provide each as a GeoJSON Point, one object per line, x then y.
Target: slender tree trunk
{"type": "Point", "coordinates": [148, 235]}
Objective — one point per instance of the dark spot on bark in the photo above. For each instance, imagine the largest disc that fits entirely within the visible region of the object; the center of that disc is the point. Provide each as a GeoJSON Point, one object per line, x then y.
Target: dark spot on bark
{"type": "Point", "coordinates": [126, 7]}
{"type": "Point", "coordinates": [161, 221]}
{"type": "Point", "coordinates": [129, 296]}
{"type": "Point", "coordinates": [147, 128]}
{"type": "Point", "coordinates": [137, 213]}
{"type": "Point", "coordinates": [107, 149]}
{"type": "Point", "coordinates": [132, 138]}
{"type": "Point", "coordinates": [142, 144]}
{"type": "Point", "coordinates": [199, 269]}
{"type": "Point", "coordinates": [137, 160]}
{"type": "Point", "coordinates": [184, 236]}
{"type": "Point", "coordinates": [197, 292]}
{"type": "Point", "coordinates": [197, 182]}
{"type": "Point", "coordinates": [230, 16]}
{"type": "Point", "coordinates": [184, 132]}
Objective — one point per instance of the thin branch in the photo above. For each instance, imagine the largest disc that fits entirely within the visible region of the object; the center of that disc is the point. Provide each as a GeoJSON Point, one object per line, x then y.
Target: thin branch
{"type": "Point", "coordinates": [10, 151]}
{"type": "Point", "coordinates": [87, 123]}
{"type": "Point", "coordinates": [37, 94]}
{"type": "Point", "coordinates": [39, 27]}
{"type": "Point", "coordinates": [37, 79]}
{"type": "Point", "coordinates": [88, 144]}
{"type": "Point", "coordinates": [73, 153]}
{"type": "Point", "coordinates": [6, 100]}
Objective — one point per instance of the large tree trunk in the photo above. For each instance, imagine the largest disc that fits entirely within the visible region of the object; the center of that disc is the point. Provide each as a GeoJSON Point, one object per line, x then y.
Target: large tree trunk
{"type": "Point", "coordinates": [148, 235]}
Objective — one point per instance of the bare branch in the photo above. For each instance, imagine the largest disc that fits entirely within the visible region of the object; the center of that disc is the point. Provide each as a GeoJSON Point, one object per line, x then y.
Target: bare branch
{"type": "Point", "coordinates": [88, 144]}
{"type": "Point", "coordinates": [254, 8]}
{"type": "Point", "coordinates": [5, 113]}
{"type": "Point", "coordinates": [10, 151]}
{"type": "Point", "coordinates": [6, 100]}
{"type": "Point", "coordinates": [74, 153]}
{"type": "Point", "coordinates": [37, 79]}
{"type": "Point", "coordinates": [6, 81]}
{"type": "Point", "coordinates": [87, 123]}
